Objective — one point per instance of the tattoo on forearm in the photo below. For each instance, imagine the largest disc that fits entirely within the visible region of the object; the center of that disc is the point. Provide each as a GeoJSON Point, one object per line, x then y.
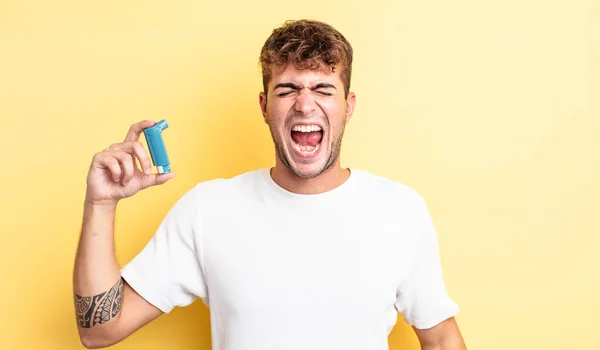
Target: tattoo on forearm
{"type": "Point", "coordinates": [100, 308]}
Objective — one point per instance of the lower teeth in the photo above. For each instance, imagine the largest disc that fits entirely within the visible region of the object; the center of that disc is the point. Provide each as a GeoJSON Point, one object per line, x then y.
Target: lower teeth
{"type": "Point", "coordinates": [307, 149]}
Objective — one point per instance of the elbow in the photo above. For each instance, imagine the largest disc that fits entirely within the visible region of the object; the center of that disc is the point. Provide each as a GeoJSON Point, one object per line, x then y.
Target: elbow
{"type": "Point", "coordinates": [101, 335]}
{"type": "Point", "coordinates": [91, 341]}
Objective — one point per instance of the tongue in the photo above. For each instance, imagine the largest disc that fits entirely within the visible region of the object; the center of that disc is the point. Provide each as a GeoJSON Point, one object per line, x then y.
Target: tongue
{"type": "Point", "coordinates": [307, 138]}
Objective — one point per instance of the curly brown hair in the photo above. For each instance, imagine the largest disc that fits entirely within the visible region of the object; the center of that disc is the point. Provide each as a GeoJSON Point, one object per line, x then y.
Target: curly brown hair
{"type": "Point", "coordinates": [307, 44]}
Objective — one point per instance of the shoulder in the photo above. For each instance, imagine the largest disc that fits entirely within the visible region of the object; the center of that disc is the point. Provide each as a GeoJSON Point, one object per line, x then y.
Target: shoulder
{"type": "Point", "coordinates": [396, 205]}
{"type": "Point", "coordinates": [225, 189]}
{"type": "Point", "coordinates": [385, 188]}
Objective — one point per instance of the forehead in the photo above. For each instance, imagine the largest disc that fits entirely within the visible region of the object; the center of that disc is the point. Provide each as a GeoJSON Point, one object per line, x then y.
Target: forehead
{"type": "Point", "coordinates": [289, 73]}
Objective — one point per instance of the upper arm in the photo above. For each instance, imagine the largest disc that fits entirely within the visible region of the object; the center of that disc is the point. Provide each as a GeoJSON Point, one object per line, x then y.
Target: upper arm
{"type": "Point", "coordinates": [135, 313]}
{"type": "Point", "coordinates": [444, 336]}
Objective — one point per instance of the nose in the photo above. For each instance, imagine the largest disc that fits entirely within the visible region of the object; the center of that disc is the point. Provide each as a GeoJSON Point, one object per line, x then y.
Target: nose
{"type": "Point", "coordinates": [305, 102]}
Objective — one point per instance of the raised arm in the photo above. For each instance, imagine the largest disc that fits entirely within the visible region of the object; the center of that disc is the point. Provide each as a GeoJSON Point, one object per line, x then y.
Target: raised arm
{"type": "Point", "coordinates": [107, 309]}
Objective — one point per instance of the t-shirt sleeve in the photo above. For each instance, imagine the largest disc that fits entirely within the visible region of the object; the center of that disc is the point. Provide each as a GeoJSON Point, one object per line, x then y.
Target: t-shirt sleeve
{"type": "Point", "coordinates": [422, 298]}
{"type": "Point", "coordinates": [168, 272]}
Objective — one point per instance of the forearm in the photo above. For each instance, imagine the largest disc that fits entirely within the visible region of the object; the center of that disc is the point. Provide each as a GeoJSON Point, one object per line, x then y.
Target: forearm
{"type": "Point", "coordinates": [97, 285]}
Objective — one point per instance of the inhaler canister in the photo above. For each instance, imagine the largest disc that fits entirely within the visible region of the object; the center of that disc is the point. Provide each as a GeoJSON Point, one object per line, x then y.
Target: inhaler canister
{"type": "Point", "coordinates": [156, 145]}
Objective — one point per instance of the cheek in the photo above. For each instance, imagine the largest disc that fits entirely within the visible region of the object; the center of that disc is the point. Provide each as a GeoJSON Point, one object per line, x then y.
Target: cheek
{"type": "Point", "coordinates": [276, 111]}
{"type": "Point", "coordinates": [334, 111]}
{"type": "Point", "coordinates": [275, 120]}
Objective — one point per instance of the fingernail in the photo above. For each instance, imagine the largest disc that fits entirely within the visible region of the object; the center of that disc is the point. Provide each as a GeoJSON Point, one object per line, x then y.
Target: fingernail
{"type": "Point", "coordinates": [147, 171]}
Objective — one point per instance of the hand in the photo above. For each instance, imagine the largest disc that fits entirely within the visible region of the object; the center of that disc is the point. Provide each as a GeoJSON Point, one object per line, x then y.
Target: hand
{"type": "Point", "coordinates": [114, 173]}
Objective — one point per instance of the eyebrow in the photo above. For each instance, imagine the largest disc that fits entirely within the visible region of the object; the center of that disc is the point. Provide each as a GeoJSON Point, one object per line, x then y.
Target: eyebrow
{"type": "Point", "coordinates": [296, 87]}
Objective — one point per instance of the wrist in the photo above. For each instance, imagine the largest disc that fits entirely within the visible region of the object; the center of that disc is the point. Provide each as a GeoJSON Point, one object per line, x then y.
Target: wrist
{"type": "Point", "coordinates": [105, 204]}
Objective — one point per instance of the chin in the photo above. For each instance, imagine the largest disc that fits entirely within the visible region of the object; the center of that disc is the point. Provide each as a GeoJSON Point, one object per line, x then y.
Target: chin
{"type": "Point", "coordinates": [308, 168]}
{"type": "Point", "coordinates": [307, 172]}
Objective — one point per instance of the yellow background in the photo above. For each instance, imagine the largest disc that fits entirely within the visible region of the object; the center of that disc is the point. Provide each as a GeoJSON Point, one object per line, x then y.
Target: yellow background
{"type": "Point", "coordinates": [489, 109]}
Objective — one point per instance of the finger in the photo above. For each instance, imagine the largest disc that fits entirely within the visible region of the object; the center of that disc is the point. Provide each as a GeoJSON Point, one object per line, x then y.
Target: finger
{"type": "Point", "coordinates": [136, 130]}
{"type": "Point", "coordinates": [136, 148]}
{"type": "Point", "coordinates": [136, 164]}
{"type": "Point", "coordinates": [126, 162]}
{"type": "Point", "coordinates": [142, 156]}
{"type": "Point", "coordinates": [105, 160]}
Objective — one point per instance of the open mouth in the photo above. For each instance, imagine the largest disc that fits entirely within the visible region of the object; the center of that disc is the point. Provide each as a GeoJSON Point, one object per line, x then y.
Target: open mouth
{"type": "Point", "coordinates": [306, 139]}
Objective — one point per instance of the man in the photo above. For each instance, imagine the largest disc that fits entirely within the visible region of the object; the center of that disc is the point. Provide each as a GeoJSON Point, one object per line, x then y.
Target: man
{"type": "Point", "coordinates": [305, 255]}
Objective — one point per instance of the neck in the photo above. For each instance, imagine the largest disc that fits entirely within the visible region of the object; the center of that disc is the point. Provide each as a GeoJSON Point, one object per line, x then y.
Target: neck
{"type": "Point", "coordinates": [326, 181]}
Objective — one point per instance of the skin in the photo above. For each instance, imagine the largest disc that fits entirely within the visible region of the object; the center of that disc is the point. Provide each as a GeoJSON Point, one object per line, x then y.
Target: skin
{"type": "Point", "coordinates": [443, 336]}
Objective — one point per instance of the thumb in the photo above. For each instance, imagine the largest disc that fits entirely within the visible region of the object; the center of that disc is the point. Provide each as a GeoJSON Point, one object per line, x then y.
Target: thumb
{"type": "Point", "coordinates": [157, 179]}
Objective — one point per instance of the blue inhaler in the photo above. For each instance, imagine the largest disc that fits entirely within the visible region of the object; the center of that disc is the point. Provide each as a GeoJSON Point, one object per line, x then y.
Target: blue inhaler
{"type": "Point", "coordinates": [156, 145]}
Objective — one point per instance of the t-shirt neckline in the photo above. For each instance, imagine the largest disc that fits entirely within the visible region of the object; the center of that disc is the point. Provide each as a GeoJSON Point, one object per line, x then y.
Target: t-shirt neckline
{"type": "Point", "coordinates": [333, 193]}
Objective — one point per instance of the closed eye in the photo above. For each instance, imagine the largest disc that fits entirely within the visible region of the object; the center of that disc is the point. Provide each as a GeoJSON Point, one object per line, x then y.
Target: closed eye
{"type": "Point", "coordinates": [285, 93]}
{"type": "Point", "coordinates": [325, 89]}
{"type": "Point", "coordinates": [326, 93]}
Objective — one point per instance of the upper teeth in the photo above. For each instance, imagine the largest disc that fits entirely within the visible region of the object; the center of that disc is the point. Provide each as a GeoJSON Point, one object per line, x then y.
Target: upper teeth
{"type": "Point", "coordinates": [306, 128]}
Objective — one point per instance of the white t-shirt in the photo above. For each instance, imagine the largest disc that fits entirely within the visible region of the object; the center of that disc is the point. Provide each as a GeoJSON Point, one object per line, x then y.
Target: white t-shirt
{"type": "Point", "coordinates": [280, 270]}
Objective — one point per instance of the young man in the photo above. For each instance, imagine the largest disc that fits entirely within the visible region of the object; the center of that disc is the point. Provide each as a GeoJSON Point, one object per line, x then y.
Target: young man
{"type": "Point", "coordinates": [305, 255]}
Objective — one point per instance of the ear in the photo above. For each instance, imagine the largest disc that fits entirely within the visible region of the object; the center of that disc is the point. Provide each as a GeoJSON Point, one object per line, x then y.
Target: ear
{"type": "Point", "coordinates": [262, 100]}
{"type": "Point", "coordinates": [350, 103]}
